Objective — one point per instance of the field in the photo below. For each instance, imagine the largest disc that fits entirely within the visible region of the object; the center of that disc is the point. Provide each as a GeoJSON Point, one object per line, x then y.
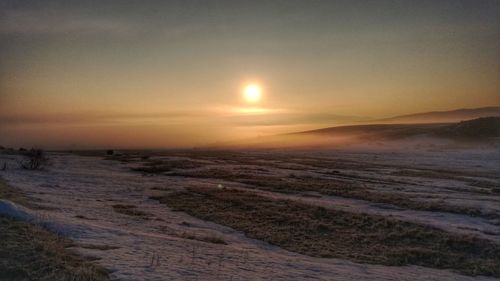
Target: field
{"type": "Point", "coordinates": [272, 214]}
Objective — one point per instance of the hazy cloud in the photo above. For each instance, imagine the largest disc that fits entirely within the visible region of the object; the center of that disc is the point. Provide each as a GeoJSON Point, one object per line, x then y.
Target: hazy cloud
{"type": "Point", "coordinates": [46, 21]}
{"type": "Point", "coordinates": [296, 118]}
{"type": "Point", "coordinates": [88, 118]}
{"type": "Point", "coordinates": [249, 117]}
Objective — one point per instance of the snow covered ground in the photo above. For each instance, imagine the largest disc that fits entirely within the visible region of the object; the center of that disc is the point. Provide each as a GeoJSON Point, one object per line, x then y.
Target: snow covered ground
{"type": "Point", "coordinates": [79, 194]}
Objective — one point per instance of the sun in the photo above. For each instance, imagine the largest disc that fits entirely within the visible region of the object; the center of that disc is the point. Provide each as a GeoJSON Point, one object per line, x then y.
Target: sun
{"type": "Point", "coordinates": [252, 93]}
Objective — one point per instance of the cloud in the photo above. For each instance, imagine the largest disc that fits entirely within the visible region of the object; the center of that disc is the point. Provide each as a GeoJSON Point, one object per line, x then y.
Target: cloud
{"type": "Point", "coordinates": [244, 111]}
{"type": "Point", "coordinates": [46, 21]}
{"type": "Point", "coordinates": [65, 19]}
{"type": "Point", "coordinates": [296, 118]}
{"type": "Point", "coordinates": [225, 116]}
{"type": "Point", "coordinates": [90, 118]}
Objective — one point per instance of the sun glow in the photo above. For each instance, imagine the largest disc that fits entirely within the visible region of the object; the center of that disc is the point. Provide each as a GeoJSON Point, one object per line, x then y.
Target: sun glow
{"type": "Point", "coordinates": [252, 93]}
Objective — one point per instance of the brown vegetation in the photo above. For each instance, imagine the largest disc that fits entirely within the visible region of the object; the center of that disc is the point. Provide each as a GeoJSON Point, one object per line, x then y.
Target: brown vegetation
{"type": "Point", "coordinates": [129, 210]}
{"type": "Point", "coordinates": [30, 252]}
{"type": "Point", "coordinates": [321, 232]}
{"type": "Point", "coordinates": [204, 238]}
{"type": "Point", "coordinates": [13, 195]}
{"type": "Point", "coordinates": [35, 159]}
{"type": "Point", "coordinates": [330, 186]}
{"type": "Point", "coordinates": [161, 166]}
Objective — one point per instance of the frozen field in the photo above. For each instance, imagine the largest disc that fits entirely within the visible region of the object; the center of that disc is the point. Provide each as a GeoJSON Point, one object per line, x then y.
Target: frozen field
{"type": "Point", "coordinates": [110, 207]}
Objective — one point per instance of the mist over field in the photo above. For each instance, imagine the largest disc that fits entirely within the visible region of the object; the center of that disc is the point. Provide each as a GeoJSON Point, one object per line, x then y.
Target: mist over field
{"type": "Point", "coordinates": [480, 132]}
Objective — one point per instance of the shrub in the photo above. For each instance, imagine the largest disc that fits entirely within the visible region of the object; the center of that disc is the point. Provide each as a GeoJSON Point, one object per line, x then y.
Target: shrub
{"type": "Point", "coordinates": [35, 159]}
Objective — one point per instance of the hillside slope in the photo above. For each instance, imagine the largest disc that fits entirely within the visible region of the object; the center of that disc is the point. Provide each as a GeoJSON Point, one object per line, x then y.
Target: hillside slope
{"type": "Point", "coordinates": [443, 116]}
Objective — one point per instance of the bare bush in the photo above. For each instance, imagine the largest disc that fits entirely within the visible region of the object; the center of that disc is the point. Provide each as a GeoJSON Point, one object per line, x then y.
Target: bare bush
{"type": "Point", "coordinates": [35, 159]}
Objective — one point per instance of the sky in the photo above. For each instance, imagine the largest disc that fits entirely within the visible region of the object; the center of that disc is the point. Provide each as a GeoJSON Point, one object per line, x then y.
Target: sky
{"type": "Point", "coordinates": [138, 74]}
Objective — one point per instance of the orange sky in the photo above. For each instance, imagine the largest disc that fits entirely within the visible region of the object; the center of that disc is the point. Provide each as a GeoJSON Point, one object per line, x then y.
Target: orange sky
{"type": "Point", "coordinates": [171, 74]}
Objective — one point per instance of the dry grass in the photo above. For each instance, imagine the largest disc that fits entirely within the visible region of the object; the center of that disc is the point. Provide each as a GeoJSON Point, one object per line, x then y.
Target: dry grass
{"type": "Point", "coordinates": [320, 232]}
{"type": "Point", "coordinates": [129, 210]}
{"type": "Point", "coordinates": [330, 186]}
{"type": "Point", "coordinates": [253, 171]}
{"type": "Point", "coordinates": [13, 195]}
{"type": "Point", "coordinates": [98, 247]}
{"type": "Point", "coordinates": [161, 166]}
{"type": "Point", "coordinates": [204, 238]}
{"type": "Point", "coordinates": [29, 252]}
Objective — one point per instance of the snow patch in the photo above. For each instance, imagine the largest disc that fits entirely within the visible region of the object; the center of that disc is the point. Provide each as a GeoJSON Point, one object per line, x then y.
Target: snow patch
{"type": "Point", "coordinates": [14, 211]}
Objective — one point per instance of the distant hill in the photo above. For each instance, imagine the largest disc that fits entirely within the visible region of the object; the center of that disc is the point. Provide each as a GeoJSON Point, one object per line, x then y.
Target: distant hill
{"type": "Point", "coordinates": [479, 130]}
{"type": "Point", "coordinates": [386, 131]}
{"type": "Point", "coordinates": [443, 116]}
{"type": "Point", "coordinates": [484, 127]}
